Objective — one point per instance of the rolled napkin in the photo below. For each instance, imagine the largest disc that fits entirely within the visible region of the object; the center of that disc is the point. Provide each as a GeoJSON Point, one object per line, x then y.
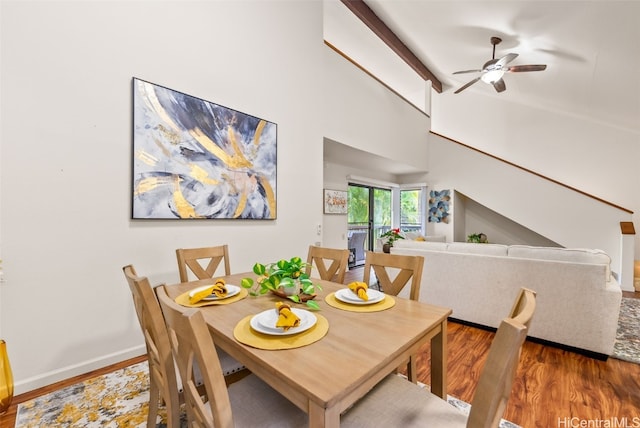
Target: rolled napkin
{"type": "Point", "coordinates": [218, 288]}
{"type": "Point", "coordinates": [286, 318]}
{"type": "Point", "coordinates": [360, 289]}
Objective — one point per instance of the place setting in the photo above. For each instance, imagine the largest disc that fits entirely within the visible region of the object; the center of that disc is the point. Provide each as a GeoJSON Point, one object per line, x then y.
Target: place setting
{"type": "Point", "coordinates": [281, 327]}
{"type": "Point", "coordinates": [358, 297]}
{"type": "Point", "coordinates": [218, 293]}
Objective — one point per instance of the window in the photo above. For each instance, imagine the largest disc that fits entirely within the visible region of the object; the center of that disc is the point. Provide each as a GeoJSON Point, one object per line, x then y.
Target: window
{"type": "Point", "coordinates": [411, 214]}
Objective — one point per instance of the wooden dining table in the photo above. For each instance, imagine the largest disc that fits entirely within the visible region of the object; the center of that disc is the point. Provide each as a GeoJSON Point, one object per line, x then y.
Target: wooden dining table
{"type": "Point", "coordinates": [326, 377]}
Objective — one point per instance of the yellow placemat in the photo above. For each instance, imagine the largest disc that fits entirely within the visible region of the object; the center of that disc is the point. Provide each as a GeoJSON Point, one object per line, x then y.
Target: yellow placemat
{"type": "Point", "coordinates": [387, 303]}
{"type": "Point", "coordinates": [245, 334]}
{"type": "Point", "coordinates": [183, 299]}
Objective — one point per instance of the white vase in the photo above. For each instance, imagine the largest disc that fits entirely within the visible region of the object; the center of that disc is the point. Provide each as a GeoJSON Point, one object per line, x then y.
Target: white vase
{"type": "Point", "coordinates": [292, 291]}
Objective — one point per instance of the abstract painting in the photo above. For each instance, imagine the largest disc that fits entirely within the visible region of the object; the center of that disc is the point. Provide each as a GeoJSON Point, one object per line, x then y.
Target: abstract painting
{"type": "Point", "coordinates": [193, 159]}
{"type": "Point", "coordinates": [439, 206]}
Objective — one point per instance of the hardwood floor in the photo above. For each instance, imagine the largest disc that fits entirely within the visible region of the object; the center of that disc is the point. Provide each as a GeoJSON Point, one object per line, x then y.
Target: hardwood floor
{"type": "Point", "coordinates": [553, 388]}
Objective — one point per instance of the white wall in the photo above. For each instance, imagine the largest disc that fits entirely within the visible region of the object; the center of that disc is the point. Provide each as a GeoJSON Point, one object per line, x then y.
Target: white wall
{"type": "Point", "coordinates": [353, 115]}
{"type": "Point", "coordinates": [594, 157]}
{"type": "Point", "coordinates": [555, 212]}
{"type": "Point", "coordinates": [66, 159]}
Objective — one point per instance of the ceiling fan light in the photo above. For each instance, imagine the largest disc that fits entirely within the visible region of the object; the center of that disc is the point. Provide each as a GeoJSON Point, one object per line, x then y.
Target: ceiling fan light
{"type": "Point", "coordinates": [492, 76]}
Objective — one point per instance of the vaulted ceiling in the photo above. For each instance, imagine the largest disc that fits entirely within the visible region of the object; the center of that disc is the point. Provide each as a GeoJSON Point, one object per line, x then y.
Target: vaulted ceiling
{"type": "Point", "coordinates": [591, 49]}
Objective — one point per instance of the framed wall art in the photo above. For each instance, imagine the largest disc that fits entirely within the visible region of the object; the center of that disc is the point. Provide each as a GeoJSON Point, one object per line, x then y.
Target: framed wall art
{"type": "Point", "coordinates": [335, 201]}
{"type": "Point", "coordinates": [439, 206]}
{"type": "Point", "coordinates": [194, 159]}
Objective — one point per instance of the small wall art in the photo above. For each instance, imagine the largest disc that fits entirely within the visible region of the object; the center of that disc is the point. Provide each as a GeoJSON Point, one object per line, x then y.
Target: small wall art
{"type": "Point", "coordinates": [194, 159]}
{"type": "Point", "coordinates": [439, 206]}
{"type": "Point", "coordinates": [335, 201]}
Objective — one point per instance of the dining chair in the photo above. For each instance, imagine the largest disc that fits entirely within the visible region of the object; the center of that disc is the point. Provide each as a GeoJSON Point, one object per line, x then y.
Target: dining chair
{"type": "Point", "coordinates": [395, 401]}
{"type": "Point", "coordinates": [402, 269]}
{"type": "Point", "coordinates": [163, 382]}
{"type": "Point", "coordinates": [191, 261]}
{"type": "Point", "coordinates": [331, 263]}
{"type": "Point", "coordinates": [247, 403]}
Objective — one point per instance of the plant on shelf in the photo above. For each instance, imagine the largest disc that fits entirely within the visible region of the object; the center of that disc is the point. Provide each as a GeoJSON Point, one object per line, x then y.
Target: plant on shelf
{"type": "Point", "coordinates": [478, 238]}
{"type": "Point", "coordinates": [283, 274]}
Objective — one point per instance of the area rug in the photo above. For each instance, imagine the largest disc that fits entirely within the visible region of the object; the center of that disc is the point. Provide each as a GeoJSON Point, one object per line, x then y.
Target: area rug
{"type": "Point", "coordinates": [627, 346]}
{"type": "Point", "coordinates": [115, 400]}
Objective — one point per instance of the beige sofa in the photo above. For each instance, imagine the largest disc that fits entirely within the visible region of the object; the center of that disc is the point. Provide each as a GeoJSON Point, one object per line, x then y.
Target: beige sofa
{"type": "Point", "coordinates": [577, 295]}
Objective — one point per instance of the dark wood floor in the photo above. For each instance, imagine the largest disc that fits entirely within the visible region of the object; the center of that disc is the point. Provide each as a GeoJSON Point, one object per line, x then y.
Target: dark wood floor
{"type": "Point", "coordinates": [553, 388]}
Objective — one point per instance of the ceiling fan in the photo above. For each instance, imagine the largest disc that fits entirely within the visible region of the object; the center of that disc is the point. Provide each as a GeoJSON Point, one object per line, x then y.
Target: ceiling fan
{"type": "Point", "coordinates": [493, 70]}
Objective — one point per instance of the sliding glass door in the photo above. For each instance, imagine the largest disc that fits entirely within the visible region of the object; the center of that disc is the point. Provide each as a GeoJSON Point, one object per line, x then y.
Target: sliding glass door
{"type": "Point", "coordinates": [369, 215]}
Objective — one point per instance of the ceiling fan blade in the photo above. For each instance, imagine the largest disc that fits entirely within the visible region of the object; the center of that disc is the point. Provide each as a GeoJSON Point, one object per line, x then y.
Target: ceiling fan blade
{"type": "Point", "coordinates": [506, 59]}
{"type": "Point", "coordinates": [467, 85]}
{"type": "Point", "coordinates": [531, 67]}
{"type": "Point", "coordinates": [499, 85]}
{"type": "Point", "coordinates": [467, 71]}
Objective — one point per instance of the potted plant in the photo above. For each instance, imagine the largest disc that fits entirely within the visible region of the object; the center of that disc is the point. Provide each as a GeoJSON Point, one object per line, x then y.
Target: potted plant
{"type": "Point", "coordinates": [285, 275]}
{"type": "Point", "coordinates": [391, 236]}
{"type": "Point", "coordinates": [477, 238]}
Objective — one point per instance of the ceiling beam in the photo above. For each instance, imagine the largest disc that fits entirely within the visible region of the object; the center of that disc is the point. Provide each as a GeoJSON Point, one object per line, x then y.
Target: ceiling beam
{"type": "Point", "coordinates": [360, 9]}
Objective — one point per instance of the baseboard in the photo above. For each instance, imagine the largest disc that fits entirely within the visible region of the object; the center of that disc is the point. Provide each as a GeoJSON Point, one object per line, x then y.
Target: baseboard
{"type": "Point", "coordinates": [591, 354]}
{"type": "Point", "coordinates": [48, 378]}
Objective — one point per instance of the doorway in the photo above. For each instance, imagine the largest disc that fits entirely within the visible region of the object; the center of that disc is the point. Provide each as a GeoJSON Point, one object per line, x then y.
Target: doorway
{"type": "Point", "coordinates": [369, 216]}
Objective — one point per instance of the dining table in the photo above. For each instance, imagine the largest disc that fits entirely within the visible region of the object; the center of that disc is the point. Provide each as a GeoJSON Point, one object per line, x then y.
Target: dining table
{"type": "Point", "coordinates": [358, 348]}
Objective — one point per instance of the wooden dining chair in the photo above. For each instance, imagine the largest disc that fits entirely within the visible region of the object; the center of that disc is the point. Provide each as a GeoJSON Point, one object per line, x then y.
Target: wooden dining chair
{"type": "Point", "coordinates": [397, 402]}
{"type": "Point", "coordinates": [203, 262]}
{"type": "Point", "coordinates": [331, 263]}
{"type": "Point", "coordinates": [163, 382]}
{"type": "Point", "coordinates": [247, 403]}
{"type": "Point", "coordinates": [402, 269]}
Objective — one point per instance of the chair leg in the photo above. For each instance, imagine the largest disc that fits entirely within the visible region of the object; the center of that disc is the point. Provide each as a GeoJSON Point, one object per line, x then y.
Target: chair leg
{"type": "Point", "coordinates": [154, 401]}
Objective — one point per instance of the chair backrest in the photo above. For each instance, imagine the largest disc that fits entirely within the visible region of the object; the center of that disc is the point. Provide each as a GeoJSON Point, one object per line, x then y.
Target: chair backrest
{"type": "Point", "coordinates": [523, 307]}
{"type": "Point", "coordinates": [161, 363]}
{"type": "Point", "coordinates": [407, 267]}
{"type": "Point", "coordinates": [193, 346]}
{"type": "Point", "coordinates": [496, 380]}
{"type": "Point", "coordinates": [331, 263]}
{"type": "Point", "coordinates": [191, 260]}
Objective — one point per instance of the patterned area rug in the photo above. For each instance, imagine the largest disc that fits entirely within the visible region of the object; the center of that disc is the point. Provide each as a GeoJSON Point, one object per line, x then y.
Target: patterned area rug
{"type": "Point", "coordinates": [627, 345]}
{"type": "Point", "coordinates": [115, 400]}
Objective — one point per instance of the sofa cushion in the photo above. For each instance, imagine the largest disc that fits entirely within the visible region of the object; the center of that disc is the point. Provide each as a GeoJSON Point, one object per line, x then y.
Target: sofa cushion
{"type": "Point", "coordinates": [471, 248]}
{"type": "Point", "coordinates": [574, 255]}
{"type": "Point", "coordinates": [421, 245]}
{"type": "Point", "coordinates": [412, 235]}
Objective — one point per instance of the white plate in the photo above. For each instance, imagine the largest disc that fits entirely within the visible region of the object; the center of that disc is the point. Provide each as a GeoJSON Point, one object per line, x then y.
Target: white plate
{"type": "Point", "coordinates": [232, 290]}
{"type": "Point", "coordinates": [265, 322]}
{"type": "Point", "coordinates": [347, 296]}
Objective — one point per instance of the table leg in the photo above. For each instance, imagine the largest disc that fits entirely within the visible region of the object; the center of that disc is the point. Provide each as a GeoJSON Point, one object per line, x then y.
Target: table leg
{"type": "Point", "coordinates": [439, 362]}
{"type": "Point", "coordinates": [412, 370]}
{"type": "Point", "coordinates": [320, 417]}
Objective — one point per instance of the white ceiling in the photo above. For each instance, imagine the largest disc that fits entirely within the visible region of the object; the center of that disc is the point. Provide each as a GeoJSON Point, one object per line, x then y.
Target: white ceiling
{"type": "Point", "coordinates": [591, 48]}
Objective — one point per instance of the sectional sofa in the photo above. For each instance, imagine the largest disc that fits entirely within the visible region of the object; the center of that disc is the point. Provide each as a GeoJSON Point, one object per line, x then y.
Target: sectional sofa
{"type": "Point", "coordinates": [578, 297]}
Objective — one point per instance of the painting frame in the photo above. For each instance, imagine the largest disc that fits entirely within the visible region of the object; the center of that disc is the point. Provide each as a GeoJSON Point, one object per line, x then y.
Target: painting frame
{"type": "Point", "coordinates": [335, 201]}
{"type": "Point", "coordinates": [196, 159]}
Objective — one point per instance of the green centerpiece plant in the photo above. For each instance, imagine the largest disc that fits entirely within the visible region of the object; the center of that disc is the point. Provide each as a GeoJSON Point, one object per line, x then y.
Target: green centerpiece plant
{"type": "Point", "coordinates": [283, 274]}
